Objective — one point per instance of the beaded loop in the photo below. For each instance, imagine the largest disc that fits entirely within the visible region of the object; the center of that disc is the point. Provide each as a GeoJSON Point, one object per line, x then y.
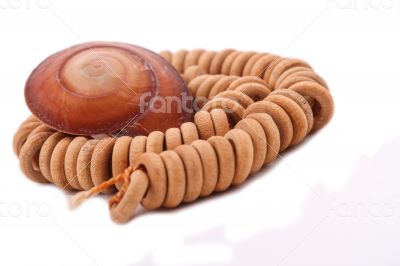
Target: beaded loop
{"type": "Point", "coordinates": [252, 106]}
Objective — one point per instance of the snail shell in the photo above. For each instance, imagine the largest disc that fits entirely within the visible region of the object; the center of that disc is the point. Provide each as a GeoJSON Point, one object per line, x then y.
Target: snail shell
{"type": "Point", "coordinates": [105, 87]}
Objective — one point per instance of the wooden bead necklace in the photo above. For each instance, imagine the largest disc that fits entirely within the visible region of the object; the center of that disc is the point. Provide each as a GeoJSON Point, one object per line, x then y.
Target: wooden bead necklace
{"type": "Point", "coordinates": [253, 106]}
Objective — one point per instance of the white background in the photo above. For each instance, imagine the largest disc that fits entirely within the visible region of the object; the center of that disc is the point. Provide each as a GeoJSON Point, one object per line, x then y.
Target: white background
{"type": "Point", "coordinates": [334, 200]}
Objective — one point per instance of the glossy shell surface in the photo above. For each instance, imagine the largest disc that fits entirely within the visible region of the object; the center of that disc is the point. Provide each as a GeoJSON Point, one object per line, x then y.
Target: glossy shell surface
{"type": "Point", "coordinates": [102, 88]}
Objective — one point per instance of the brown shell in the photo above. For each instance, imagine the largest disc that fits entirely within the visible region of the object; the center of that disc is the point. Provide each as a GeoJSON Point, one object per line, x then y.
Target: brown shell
{"type": "Point", "coordinates": [102, 87]}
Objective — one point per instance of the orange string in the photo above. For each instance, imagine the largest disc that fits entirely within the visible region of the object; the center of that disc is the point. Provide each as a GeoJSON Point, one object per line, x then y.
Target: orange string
{"type": "Point", "coordinates": [80, 197]}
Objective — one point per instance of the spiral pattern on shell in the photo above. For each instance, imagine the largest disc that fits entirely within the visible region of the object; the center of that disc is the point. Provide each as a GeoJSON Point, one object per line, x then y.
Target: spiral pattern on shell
{"type": "Point", "coordinates": [101, 87]}
{"type": "Point", "coordinates": [253, 106]}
